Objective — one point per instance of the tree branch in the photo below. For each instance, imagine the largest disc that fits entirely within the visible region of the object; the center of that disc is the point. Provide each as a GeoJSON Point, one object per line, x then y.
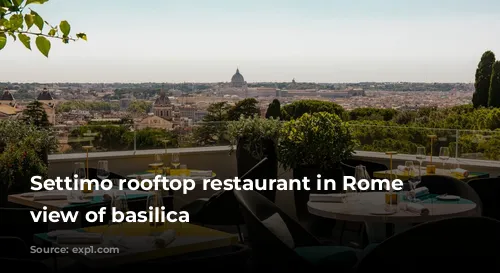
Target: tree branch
{"type": "Point", "coordinates": [44, 35]}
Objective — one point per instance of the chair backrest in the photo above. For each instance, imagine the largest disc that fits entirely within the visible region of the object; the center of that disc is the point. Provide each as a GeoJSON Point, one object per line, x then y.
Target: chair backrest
{"type": "Point", "coordinates": [488, 190]}
{"type": "Point", "coordinates": [445, 243]}
{"type": "Point", "coordinates": [17, 222]}
{"type": "Point", "coordinates": [441, 184]}
{"type": "Point", "coordinates": [267, 248]}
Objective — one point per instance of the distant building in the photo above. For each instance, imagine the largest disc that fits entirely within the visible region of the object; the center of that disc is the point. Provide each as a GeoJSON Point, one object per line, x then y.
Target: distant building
{"type": "Point", "coordinates": [153, 121]}
{"type": "Point", "coordinates": [49, 105]}
{"type": "Point", "coordinates": [163, 108]}
{"type": "Point", "coordinates": [237, 86]}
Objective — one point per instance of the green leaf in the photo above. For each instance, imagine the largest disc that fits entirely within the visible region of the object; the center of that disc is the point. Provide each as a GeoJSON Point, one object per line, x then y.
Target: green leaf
{"type": "Point", "coordinates": [3, 40]}
{"type": "Point", "coordinates": [11, 34]}
{"type": "Point", "coordinates": [29, 19]}
{"type": "Point", "coordinates": [17, 3]}
{"type": "Point", "coordinates": [25, 39]}
{"type": "Point", "coordinates": [52, 32]}
{"type": "Point", "coordinates": [16, 21]}
{"type": "Point", "coordinates": [82, 36]}
{"type": "Point", "coordinates": [43, 45]}
{"type": "Point", "coordinates": [35, 2]}
{"type": "Point", "coordinates": [65, 27]}
{"type": "Point", "coordinates": [38, 20]}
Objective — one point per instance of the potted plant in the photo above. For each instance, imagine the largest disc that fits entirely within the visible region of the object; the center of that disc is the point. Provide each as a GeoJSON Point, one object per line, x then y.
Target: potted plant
{"type": "Point", "coordinates": [256, 138]}
{"type": "Point", "coordinates": [315, 144]}
{"type": "Point", "coordinates": [25, 155]}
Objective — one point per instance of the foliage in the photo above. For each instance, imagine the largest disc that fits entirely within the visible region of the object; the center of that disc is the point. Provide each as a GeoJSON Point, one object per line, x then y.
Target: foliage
{"type": "Point", "coordinates": [372, 114]}
{"type": "Point", "coordinates": [35, 114]}
{"type": "Point", "coordinates": [24, 148]}
{"type": "Point", "coordinates": [213, 129]}
{"type": "Point", "coordinates": [139, 107]}
{"type": "Point", "coordinates": [254, 130]}
{"type": "Point", "coordinates": [298, 108]}
{"type": "Point", "coordinates": [247, 108]}
{"type": "Point", "coordinates": [120, 137]}
{"type": "Point", "coordinates": [483, 77]}
{"type": "Point", "coordinates": [18, 20]}
{"type": "Point", "coordinates": [68, 106]}
{"type": "Point", "coordinates": [274, 110]}
{"type": "Point", "coordinates": [319, 139]}
{"type": "Point", "coordinates": [18, 163]}
{"type": "Point", "coordinates": [494, 92]}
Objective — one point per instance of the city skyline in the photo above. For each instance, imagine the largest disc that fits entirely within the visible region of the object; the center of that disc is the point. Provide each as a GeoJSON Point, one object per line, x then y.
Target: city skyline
{"type": "Point", "coordinates": [311, 41]}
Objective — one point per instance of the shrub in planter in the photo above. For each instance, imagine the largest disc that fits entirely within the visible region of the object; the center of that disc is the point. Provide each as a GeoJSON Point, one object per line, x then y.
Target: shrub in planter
{"type": "Point", "coordinates": [256, 138]}
{"type": "Point", "coordinates": [25, 149]}
{"type": "Point", "coordinates": [315, 144]}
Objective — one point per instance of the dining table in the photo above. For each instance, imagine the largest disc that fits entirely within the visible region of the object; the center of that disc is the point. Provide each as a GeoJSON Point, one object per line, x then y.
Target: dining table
{"type": "Point", "coordinates": [371, 208]}
{"type": "Point", "coordinates": [130, 243]}
{"type": "Point", "coordinates": [404, 175]}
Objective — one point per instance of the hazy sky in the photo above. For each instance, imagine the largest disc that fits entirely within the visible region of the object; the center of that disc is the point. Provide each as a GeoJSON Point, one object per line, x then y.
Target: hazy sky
{"type": "Point", "coordinates": [270, 40]}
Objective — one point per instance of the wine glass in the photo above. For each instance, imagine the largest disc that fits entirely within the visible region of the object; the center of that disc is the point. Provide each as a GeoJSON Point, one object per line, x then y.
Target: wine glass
{"type": "Point", "coordinates": [413, 182]}
{"type": "Point", "coordinates": [176, 160]}
{"type": "Point", "coordinates": [79, 170]}
{"type": "Point", "coordinates": [119, 204]}
{"type": "Point", "coordinates": [102, 169]}
{"type": "Point", "coordinates": [444, 155]}
{"type": "Point", "coordinates": [361, 173]}
{"type": "Point", "coordinates": [158, 162]}
{"type": "Point", "coordinates": [409, 168]}
{"type": "Point", "coordinates": [420, 157]}
{"type": "Point", "coordinates": [155, 200]}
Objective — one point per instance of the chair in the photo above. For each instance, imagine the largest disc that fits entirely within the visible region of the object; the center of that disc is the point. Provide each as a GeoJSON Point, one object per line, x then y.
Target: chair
{"type": "Point", "coordinates": [12, 247]}
{"type": "Point", "coordinates": [17, 222]}
{"type": "Point", "coordinates": [221, 209]}
{"type": "Point", "coordinates": [488, 190]}
{"type": "Point", "coordinates": [284, 245]}
{"type": "Point", "coordinates": [448, 244]}
{"type": "Point", "coordinates": [441, 184]}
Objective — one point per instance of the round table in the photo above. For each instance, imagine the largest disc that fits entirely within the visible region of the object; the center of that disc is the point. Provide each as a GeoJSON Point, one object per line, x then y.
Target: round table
{"type": "Point", "coordinates": [361, 210]}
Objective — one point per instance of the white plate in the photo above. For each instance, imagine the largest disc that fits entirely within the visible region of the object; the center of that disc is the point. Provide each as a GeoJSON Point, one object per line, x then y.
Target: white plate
{"type": "Point", "coordinates": [75, 201]}
{"type": "Point", "coordinates": [448, 197]}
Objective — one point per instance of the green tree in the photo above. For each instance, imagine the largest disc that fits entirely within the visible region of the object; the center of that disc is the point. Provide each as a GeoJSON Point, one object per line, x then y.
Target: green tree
{"type": "Point", "coordinates": [274, 109]}
{"type": "Point", "coordinates": [213, 128]}
{"type": "Point", "coordinates": [139, 107]}
{"type": "Point", "coordinates": [296, 109]}
{"type": "Point", "coordinates": [483, 78]}
{"type": "Point", "coordinates": [36, 115]}
{"type": "Point", "coordinates": [18, 21]}
{"type": "Point", "coordinates": [246, 108]}
{"type": "Point", "coordinates": [494, 94]}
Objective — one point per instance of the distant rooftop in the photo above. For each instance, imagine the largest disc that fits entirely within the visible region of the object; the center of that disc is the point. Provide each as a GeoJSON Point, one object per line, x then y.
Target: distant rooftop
{"type": "Point", "coordinates": [45, 95]}
{"type": "Point", "coordinates": [6, 96]}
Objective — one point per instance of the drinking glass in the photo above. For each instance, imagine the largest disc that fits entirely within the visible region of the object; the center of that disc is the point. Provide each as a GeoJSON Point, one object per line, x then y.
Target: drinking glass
{"type": "Point", "coordinates": [114, 230]}
{"type": "Point", "coordinates": [102, 169]}
{"type": "Point", "coordinates": [176, 160]}
{"type": "Point", "coordinates": [361, 173]}
{"type": "Point", "coordinates": [183, 170]}
{"type": "Point", "coordinates": [444, 155]}
{"type": "Point", "coordinates": [410, 168]}
{"type": "Point", "coordinates": [413, 182]}
{"type": "Point", "coordinates": [155, 200]}
{"type": "Point", "coordinates": [420, 157]}
{"type": "Point", "coordinates": [79, 170]}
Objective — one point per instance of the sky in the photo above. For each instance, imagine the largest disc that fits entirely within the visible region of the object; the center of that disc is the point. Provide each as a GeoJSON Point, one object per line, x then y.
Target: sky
{"type": "Point", "coordinates": [269, 40]}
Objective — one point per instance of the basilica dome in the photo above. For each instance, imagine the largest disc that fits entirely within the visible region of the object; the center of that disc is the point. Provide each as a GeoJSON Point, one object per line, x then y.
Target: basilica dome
{"type": "Point", "coordinates": [237, 80]}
